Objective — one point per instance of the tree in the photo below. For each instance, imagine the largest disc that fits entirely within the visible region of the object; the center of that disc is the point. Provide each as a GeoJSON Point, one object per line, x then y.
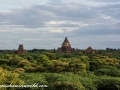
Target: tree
{"type": "Point", "coordinates": [50, 55]}
{"type": "Point", "coordinates": [44, 60]}
{"type": "Point", "coordinates": [107, 70]}
{"type": "Point", "coordinates": [77, 67]}
{"type": "Point", "coordinates": [4, 61]}
{"type": "Point", "coordinates": [108, 84]}
{"type": "Point", "coordinates": [23, 63]}
{"type": "Point", "coordinates": [67, 85]}
{"type": "Point", "coordinates": [85, 60]}
{"type": "Point", "coordinates": [58, 66]}
{"type": "Point", "coordinates": [7, 77]}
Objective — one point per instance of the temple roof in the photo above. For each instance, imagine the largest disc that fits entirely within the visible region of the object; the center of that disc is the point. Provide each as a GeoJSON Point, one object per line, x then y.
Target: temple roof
{"type": "Point", "coordinates": [89, 47]}
{"type": "Point", "coordinates": [20, 47]}
{"type": "Point", "coordinates": [66, 42]}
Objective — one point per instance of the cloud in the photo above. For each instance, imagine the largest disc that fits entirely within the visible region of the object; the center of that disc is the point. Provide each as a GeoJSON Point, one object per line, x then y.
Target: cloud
{"type": "Point", "coordinates": [37, 16]}
{"type": "Point", "coordinates": [48, 25]}
{"type": "Point", "coordinates": [32, 39]}
{"type": "Point", "coordinates": [108, 1]}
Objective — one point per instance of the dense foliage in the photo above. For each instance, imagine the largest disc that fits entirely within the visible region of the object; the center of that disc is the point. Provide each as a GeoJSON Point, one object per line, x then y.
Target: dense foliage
{"type": "Point", "coordinates": [61, 71]}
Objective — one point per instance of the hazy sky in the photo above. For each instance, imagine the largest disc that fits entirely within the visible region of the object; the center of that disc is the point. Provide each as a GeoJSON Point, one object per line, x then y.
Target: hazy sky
{"type": "Point", "coordinates": [43, 24]}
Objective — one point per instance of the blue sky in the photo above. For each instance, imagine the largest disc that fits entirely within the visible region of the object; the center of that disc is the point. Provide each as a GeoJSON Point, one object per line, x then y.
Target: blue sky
{"type": "Point", "coordinates": [43, 24]}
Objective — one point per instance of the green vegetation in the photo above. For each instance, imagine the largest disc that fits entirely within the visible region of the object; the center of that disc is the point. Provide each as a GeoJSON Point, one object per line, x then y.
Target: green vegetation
{"type": "Point", "coordinates": [61, 71]}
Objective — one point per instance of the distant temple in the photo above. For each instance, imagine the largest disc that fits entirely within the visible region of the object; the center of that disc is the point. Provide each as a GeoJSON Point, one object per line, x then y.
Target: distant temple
{"type": "Point", "coordinates": [21, 50]}
{"type": "Point", "coordinates": [89, 50]}
{"type": "Point", "coordinates": [66, 47]}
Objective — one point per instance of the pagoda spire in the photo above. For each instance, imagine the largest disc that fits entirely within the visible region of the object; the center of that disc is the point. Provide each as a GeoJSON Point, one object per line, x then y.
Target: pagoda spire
{"type": "Point", "coordinates": [66, 42]}
{"type": "Point", "coordinates": [66, 47]}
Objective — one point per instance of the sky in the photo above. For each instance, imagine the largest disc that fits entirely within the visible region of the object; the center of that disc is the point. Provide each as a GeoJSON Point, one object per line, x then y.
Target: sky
{"type": "Point", "coordinates": [44, 24]}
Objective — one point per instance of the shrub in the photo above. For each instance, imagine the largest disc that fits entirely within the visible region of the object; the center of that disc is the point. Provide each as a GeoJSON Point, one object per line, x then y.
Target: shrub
{"type": "Point", "coordinates": [3, 61]}
{"type": "Point", "coordinates": [19, 70]}
{"type": "Point", "coordinates": [88, 82]}
{"type": "Point", "coordinates": [23, 63]}
{"type": "Point", "coordinates": [29, 58]}
{"type": "Point", "coordinates": [50, 55]}
{"type": "Point", "coordinates": [63, 81]}
{"type": "Point", "coordinates": [32, 78]}
{"type": "Point", "coordinates": [85, 60]}
{"type": "Point", "coordinates": [77, 67]}
{"type": "Point", "coordinates": [40, 68]}
{"type": "Point", "coordinates": [13, 62]}
{"type": "Point", "coordinates": [68, 55]}
{"type": "Point", "coordinates": [67, 85]}
{"type": "Point", "coordinates": [107, 70]}
{"type": "Point", "coordinates": [57, 66]}
{"type": "Point", "coordinates": [5, 66]}
{"type": "Point", "coordinates": [29, 69]}
{"type": "Point", "coordinates": [8, 56]}
{"type": "Point", "coordinates": [44, 60]}
{"type": "Point", "coordinates": [6, 78]}
{"type": "Point", "coordinates": [108, 84]}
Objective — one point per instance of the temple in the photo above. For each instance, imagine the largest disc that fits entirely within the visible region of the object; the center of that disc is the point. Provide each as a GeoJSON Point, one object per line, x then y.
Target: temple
{"type": "Point", "coordinates": [89, 50]}
{"type": "Point", "coordinates": [66, 47]}
{"type": "Point", "coordinates": [21, 50]}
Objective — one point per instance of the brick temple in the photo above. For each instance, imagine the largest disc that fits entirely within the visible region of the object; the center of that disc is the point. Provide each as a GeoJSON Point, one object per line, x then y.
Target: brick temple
{"type": "Point", "coordinates": [90, 50]}
{"type": "Point", "coordinates": [66, 47]}
{"type": "Point", "coordinates": [21, 50]}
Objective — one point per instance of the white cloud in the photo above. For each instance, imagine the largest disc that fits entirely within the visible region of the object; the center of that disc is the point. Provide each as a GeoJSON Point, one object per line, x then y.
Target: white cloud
{"type": "Point", "coordinates": [32, 39]}
{"type": "Point", "coordinates": [55, 22]}
{"type": "Point", "coordinates": [45, 26]}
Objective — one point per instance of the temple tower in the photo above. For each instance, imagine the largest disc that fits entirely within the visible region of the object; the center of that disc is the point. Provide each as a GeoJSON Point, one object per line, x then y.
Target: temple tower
{"type": "Point", "coordinates": [66, 47]}
{"type": "Point", "coordinates": [21, 50]}
{"type": "Point", "coordinates": [66, 43]}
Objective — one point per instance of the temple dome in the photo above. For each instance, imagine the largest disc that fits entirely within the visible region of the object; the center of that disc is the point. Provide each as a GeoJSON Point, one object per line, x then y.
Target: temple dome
{"type": "Point", "coordinates": [66, 42]}
{"type": "Point", "coordinates": [66, 47]}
